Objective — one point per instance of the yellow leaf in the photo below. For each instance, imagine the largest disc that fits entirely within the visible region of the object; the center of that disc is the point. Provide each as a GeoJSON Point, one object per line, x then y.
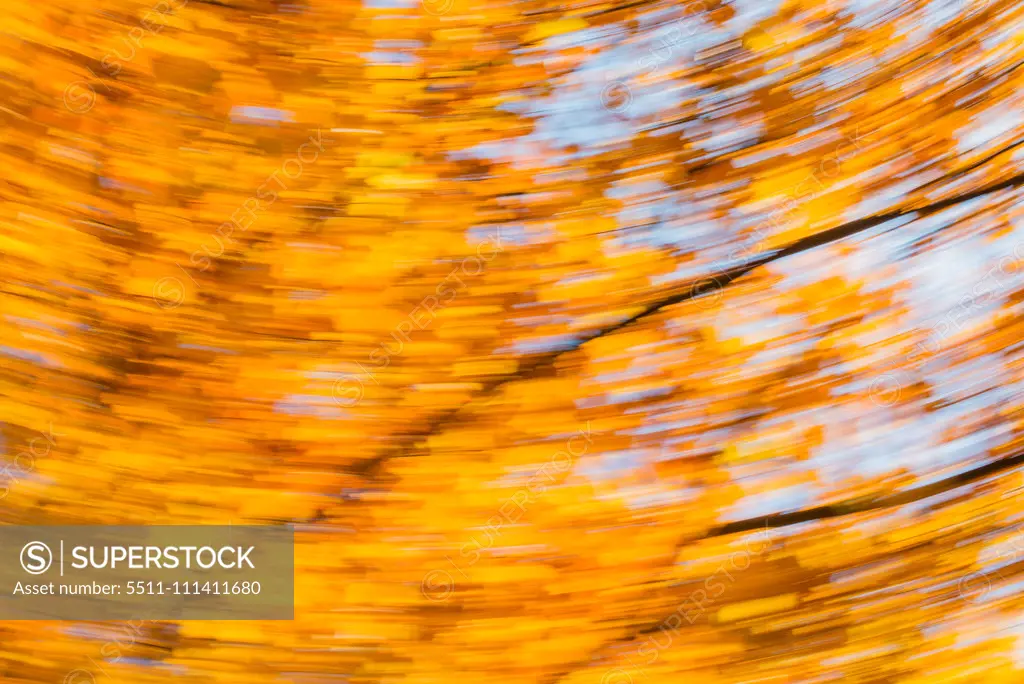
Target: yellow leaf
{"type": "Point", "coordinates": [558, 27]}
{"type": "Point", "coordinates": [748, 609]}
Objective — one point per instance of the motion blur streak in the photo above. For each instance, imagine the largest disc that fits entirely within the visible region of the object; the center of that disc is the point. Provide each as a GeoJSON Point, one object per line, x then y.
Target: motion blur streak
{"type": "Point", "coordinates": [740, 278]}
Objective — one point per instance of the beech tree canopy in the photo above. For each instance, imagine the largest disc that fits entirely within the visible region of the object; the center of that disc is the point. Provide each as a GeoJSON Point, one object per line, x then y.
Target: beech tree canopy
{"type": "Point", "coordinates": [591, 343]}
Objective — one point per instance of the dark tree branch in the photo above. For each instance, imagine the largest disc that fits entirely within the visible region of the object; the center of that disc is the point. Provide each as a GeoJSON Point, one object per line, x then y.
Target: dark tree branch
{"type": "Point", "coordinates": [865, 504]}
{"type": "Point", "coordinates": [691, 289]}
{"type": "Point", "coordinates": [819, 513]}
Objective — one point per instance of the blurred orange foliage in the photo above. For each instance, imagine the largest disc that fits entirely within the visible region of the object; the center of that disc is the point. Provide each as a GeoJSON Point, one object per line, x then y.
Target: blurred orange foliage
{"type": "Point", "coordinates": [564, 371]}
